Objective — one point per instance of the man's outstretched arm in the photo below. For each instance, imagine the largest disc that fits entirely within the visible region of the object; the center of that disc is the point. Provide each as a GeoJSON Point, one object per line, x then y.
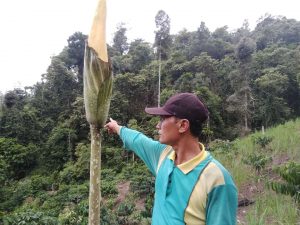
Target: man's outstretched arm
{"type": "Point", "coordinates": [146, 148]}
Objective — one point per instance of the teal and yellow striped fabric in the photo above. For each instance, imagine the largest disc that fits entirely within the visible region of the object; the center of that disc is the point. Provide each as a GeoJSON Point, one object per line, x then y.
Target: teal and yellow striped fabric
{"type": "Point", "coordinates": [200, 191]}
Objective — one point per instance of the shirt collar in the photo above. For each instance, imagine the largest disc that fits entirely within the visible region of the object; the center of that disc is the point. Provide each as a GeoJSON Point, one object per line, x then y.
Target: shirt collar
{"type": "Point", "coordinates": [188, 166]}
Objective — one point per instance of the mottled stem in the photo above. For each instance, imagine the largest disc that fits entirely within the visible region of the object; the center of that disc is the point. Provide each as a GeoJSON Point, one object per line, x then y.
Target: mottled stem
{"type": "Point", "coordinates": [95, 167]}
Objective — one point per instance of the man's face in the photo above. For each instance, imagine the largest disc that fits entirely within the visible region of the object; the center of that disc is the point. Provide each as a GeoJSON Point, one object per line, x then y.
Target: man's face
{"type": "Point", "coordinates": [168, 130]}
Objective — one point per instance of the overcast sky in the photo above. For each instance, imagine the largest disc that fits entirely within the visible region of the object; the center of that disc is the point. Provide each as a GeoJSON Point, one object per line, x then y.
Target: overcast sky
{"type": "Point", "coordinates": [34, 30]}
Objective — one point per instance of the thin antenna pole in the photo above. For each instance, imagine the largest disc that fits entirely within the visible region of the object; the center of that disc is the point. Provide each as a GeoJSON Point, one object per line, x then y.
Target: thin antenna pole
{"type": "Point", "coordinates": [159, 69]}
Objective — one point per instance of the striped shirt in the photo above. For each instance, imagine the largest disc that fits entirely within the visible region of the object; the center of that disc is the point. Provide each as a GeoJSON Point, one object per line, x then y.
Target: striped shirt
{"type": "Point", "coordinates": [199, 191]}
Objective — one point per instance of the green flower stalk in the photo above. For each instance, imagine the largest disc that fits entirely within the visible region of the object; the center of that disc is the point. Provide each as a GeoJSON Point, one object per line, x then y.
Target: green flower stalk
{"type": "Point", "coordinates": [97, 80]}
{"type": "Point", "coordinates": [97, 75]}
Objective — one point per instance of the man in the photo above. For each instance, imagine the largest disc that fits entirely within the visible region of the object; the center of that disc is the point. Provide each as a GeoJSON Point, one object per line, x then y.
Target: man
{"type": "Point", "coordinates": [191, 187]}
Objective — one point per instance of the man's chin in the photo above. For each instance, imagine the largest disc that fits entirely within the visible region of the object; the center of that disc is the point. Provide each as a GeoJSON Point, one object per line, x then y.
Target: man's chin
{"type": "Point", "coordinates": [162, 141]}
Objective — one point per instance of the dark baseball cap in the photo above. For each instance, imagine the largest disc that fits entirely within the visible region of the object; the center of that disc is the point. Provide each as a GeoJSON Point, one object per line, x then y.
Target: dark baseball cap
{"type": "Point", "coordinates": [184, 106]}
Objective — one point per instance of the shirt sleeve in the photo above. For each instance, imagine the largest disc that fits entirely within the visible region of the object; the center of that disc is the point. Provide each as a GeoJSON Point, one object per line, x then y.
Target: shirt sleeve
{"type": "Point", "coordinates": [146, 148]}
{"type": "Point", "coordinates": [222, 205]}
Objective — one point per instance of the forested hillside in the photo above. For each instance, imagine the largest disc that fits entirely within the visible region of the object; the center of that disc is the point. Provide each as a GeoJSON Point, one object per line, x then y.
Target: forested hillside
{"type": "Point", "coordinates": [249, 79]}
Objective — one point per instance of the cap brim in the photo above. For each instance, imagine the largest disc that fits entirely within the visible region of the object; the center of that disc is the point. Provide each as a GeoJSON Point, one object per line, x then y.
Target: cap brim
{"type": "Point", "coordinates": [157, 111]}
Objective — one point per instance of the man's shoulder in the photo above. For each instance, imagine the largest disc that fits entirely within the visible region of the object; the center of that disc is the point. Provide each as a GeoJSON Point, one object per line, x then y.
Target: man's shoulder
{"type": "Point", "coordinates": [216, 174]}
{"type": "Point", "coordinates": [212, 176]}
{"type": "Point", "coordinates": [164, 154]}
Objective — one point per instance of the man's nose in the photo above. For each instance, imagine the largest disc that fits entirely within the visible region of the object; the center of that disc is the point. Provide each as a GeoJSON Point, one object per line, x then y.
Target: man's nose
{"type": "Point", "coordinates": [158, 125]}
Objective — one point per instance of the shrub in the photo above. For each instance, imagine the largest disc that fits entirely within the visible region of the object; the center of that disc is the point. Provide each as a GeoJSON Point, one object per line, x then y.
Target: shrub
{"type": "Point", "coordinates": [111, 155]}
{"type": "Point", "coordinates": [142, 184]}
{"type": "Point", "coordinates": [3, 170]}
{"type": "Point", "coordinates": [221, 146]}
{"type": "Point", "coordinates": [15, 194]}
{"type": "Point", "coordinates": [77, 193]}
{"type": "Point", "coordinates": [59, 147]}
{"type": "Point", "coordinates": [29, 217]}
{"type": "Point", "coordinates": [108, 174]}
{"type": "Point", "coordinates": [68, 174]}
{"type": "Point", "coordinates": [263, 141]}
{"type": "Point", "coordinates": [108, 182]}
{"type": "Point", "coordinates": [40, 183]}
{"type": "Point", "coordinates": [148, 206]}
{"type": "Point", "coordinates": [78, 171]}
{"type": "Point", "coordinates": [69, 217]}
{"type": "Point", "coordinates": [17, 159]}
{"type": "Point", "coordinates": [141, 181]}
{"type": "Point", "coordinates": [291, 176]}
{"type": "Point", "coordinates": [54, 203]}
{"type": "Point", "coordinates": [257, 161]}
{"type": "Point", "coordinates": [107, 217]}
{"type": "Point", "coordinates": [124, 210]}
{"type": "Point", "coordinates": [75, 214]}
{"type": "Point", "coordinates": [108, 188]}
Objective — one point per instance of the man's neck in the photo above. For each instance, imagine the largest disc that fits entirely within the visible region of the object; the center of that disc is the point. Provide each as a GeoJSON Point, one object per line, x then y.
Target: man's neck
{"type": "Point", "coordinates": [186, 149]}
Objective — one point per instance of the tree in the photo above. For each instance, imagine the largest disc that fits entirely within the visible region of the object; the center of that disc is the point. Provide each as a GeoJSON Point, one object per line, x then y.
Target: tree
{"type": "Point", "coordinates": [122, 64]}
{"type": "Point", "coordinates": [163, 39]}
{"type": "Point", "coordinates": [15, 98]}
{"type": "Point", "coordinates": [245, 48]}
{"type": "Point", "coordinates": [59, 147]}
{"type": "Point", "coordinates": [17, 159]}
{"type": "Point", "coordinates": [218, 48]}
{"type": "Point", "coordinates": [120, 39]}
{"type": "Point", "coordinates": [213, 103]}
{"type": "Point", "coordinates": [199, 41]}
{"type": "Point", "coordinates": [223, 34]}
{"type": "Point", "coordinates": [130, 92]}
{"type": "Point", "coordinates": [284, 61]}
{"type": "Point", "coordinates": [242, 98]}
{"type": "Point", "coordinates": [77, 120]}
{"type": "Point", "coordinates": [276, 29]}
{"type": "Point", "coordinates": [75, 49]}
{"type": "Point", "coordinates": [225, 67]}
{"type": "Point", "coordinates": [241, 32]}
{"type": "Point", "coordinates": [1, 104]}
{"type": "Point", "coordinates": [75, 55]}
{"type": "Point", "coordinates": [271, 107]}
{"type": "Point", "coordinates": [184, 84]}
{"type": "Point", "coordinates": [240, 104]}
{"type": "Point", "coordinates": [54, 96]}
{"type": "Point", "coordinates": [182, 41]}
{"type": "Point", "coordinates": [21, 124]}
{"type": "Point", "coordinates": [140, 53]}
{"type": "Point", "coordinates": [207, 67]}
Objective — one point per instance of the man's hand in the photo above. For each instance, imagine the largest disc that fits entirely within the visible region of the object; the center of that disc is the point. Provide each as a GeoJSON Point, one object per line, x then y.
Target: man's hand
{"type": "Point", "coordinates": [113, 127]}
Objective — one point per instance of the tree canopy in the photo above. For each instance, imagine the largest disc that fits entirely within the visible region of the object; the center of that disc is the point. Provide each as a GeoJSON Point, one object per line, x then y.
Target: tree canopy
{"type": "Point", "coordinates": [248, 79]}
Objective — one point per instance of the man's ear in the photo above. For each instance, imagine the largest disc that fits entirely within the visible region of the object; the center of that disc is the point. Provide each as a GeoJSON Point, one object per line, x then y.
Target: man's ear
{"type": "Point", "coordinates": [184, 126]}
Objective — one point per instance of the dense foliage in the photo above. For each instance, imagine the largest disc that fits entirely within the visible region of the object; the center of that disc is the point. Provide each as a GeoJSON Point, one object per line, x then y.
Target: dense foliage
{"type": "Point", "coordinates": [248, 79]}
{"type": "Point", "coordinates": [291, 175]}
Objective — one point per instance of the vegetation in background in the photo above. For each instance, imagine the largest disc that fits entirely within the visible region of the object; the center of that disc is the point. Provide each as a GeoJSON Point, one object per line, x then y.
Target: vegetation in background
{"type": "Point", "coordinates": [247, 78]}
{"type": "Point", "coordinates": [290, 173]}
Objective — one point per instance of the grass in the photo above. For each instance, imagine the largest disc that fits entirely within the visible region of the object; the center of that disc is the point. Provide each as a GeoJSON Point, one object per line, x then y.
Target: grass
{"type": "Point", "coordinates": [269, 207]}
{"type": "Point", "coordinates": [274, 209]}
{"type": "Point", "coordinates": [287, 139]}
{"type": "Point", "coordinates": [238, 170]}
